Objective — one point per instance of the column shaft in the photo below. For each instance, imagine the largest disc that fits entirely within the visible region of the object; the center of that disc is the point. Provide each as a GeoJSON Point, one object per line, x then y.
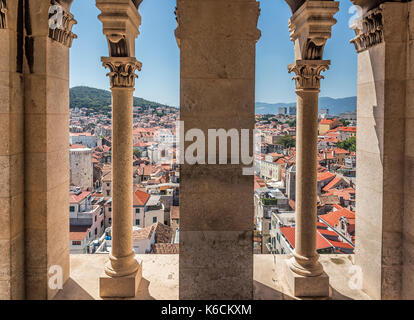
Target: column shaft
{"type": "Point", "coordinates": [306, 165]}
{"type": "Point", "coordinates": [122, 101]}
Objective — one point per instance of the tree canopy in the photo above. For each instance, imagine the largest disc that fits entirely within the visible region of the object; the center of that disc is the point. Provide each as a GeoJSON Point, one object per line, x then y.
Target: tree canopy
{"type": "Point", "coordinates": [349, 144]}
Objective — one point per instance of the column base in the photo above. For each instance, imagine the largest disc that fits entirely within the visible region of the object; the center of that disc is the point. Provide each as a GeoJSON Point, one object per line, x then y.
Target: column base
{"type": "Point", "coordinates": [120, 287]}
{"type": "Point", "coordinates": [306, 287]}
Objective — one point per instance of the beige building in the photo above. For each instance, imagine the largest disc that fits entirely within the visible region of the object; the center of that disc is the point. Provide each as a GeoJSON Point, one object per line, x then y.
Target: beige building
{"type": "Point", "coordinates": [217, 79]}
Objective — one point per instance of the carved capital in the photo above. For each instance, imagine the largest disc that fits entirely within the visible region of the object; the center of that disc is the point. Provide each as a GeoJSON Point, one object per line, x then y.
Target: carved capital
{"type": "Point", "coordinates": [368, 30]}
{"type": "Point", "coordinates": [120, 20]}
{"type": "Point", "coordinates": [61, 22]}
{"type": "Point", "coordinates": [122, 71]}
{"type": "Point", "coordinates": [310, 27]}
{"type": "Point", "coordinates": [3, 14]}
{"type": "Point", "coordinates": [308, 73]}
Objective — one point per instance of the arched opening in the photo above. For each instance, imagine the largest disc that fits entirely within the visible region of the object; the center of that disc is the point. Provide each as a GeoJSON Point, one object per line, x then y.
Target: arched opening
{"type": "Point", "coordinates": [275, 95]}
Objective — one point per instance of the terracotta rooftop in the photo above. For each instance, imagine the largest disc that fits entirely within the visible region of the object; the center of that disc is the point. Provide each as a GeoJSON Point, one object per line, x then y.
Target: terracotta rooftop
{"type": "Point", "coordinates": [78, 233]}
{"type": "Point", "coordinates": [165, 248]}
{"type": "Point", "coordinates": [140, 198]}
{"type": "Point", "coordinates": [76, 198]}
{"type": "Point", "coordinates": [175, 212]}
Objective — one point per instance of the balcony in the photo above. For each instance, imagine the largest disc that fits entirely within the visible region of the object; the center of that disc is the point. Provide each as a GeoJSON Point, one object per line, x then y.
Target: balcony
{"type": "Point", "coordinates": [160, 278]}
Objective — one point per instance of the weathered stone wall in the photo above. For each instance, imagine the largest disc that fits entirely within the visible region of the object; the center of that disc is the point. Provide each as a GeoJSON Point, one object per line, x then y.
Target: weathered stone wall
{"type": "Point", "coordinates": [408, 222]}
{"type": "Point", "coordinates": [217, 41]}
{"type": "Point", "coordinates": [11, 158]}
{"type": "Point", "coordinates": [46, 151]}
{"type": "Point", "coordinates": [381, 143]}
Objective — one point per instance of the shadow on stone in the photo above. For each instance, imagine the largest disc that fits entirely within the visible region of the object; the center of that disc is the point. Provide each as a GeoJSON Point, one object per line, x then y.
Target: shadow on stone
{"type": "Point", "coordinates": [72, 291]}
{"type": "Point", "coordinates": [142, 292]}
{"type": "Point", "coordinates": [264, 292]}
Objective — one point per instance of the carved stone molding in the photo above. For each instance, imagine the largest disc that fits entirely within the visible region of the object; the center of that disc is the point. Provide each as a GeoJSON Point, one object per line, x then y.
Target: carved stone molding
{"type": "Point", "coordinates": [310, 27]}
{"type": "Point", "coordinates": [61, 31]}
{"type": "Point", "coordinates": [3, 14]}
{"type": "Point", "coordinates": [121, 21]}
{"type": "Point", "coordinates": [122, 71]}
{"type": "Point", "coordinates": [246, 11]}
{"type": "Point", "coordinates": [368, 30]}
{"type": "Point", "coordinates": [308, 73]}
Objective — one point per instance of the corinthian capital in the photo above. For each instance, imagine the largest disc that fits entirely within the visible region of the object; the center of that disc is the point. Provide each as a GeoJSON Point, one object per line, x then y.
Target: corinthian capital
{"type": "Point", "coordinates": [368, 30]}
{"type": "Point", "coordinates": [310, 27]}
{"type": "Point", "coordinates": [122, 71]}
{"type": "Point", "coordinates": [308, 73]}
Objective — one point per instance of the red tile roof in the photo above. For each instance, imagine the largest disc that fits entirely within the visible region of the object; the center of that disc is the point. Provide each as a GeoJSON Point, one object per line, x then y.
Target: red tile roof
{"type": "Point", "coordinates": [78, 233]}
{"type": "Point", "coordinates": [333, 217]}
{"type": "Point", "coordinates": [166, 248]}
{"type": "Point", "coordinates": [325, 176]}
{"type": "Point", "coordinates": [76, 198]}
{"type": "Point", "coordinates": [289, 233]}
{"type": "Point", "coordinates": [175, 212]}
{"type": "Point", "coordinates": [332, 184]}
{"type": "Point", "coordinates": [347, 129]}
{"type": "Point", "coordinates": [140, 198]}
{"type": "Point", "coordinates": [77, 146]}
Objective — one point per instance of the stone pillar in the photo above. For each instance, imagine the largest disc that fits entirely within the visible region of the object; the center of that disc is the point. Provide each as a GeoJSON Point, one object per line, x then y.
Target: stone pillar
{"type": "Point", "coordinates": [217, 40]}
{"type": "Point", "coordinates": [45, 60]}
{"type": "Point", "coordinates": [11, 156]}
{"type": "Point", "coordinates": [310, 28]}
{"type": "Point", "coordinates": [121, 21]}
{"type": "Point", "coordinates": [384, 237]}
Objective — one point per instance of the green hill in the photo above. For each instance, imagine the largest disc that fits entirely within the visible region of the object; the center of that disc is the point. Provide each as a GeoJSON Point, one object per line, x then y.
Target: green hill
{"type": "Point", "coordinates": [98, 100]}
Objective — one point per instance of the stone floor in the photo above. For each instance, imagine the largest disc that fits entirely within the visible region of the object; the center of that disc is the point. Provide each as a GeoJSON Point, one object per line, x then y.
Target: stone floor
{"type": "Point", "coordinates": [160, 277]}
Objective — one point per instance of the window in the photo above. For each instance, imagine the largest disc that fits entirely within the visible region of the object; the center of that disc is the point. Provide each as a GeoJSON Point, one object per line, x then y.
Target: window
{"type": "Point", "coordinates": [72, 209]}
{"type": "Point", "coordinates": [96, 218]}
{"type": "Point", "coordinates": [102, 223]}
{"type": "Point", "coordinates": [76, 243]}
{"type": "Point", "coordinates": [96, 231]}
{"type": "Point", "coordinates": [108, 192]}
{"type": "Point", "coordinates": [107, 184]}
{"type": "Point", "coordinates": [110, 209]}
{"type": "Point", "coordinates": [137, 222]}
{"type": "Point", "coordinates": [154, 220]}
{"type": "Point", "coordinates": [137, 210]}
{"type": "Point", "coordinates": [109, 220]}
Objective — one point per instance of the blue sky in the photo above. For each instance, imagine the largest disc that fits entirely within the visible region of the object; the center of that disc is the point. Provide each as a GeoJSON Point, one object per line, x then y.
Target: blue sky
{"type": "Point", "coordinates": [156, 48]}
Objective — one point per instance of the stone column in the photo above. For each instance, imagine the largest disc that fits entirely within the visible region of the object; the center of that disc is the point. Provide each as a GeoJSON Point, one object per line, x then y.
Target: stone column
{"type": "Point", "coordinates": [217, 40]}
{"type": "Point", "coordinates": [385, 173]}
{"type": "Point", "coordinates": [120, 24]}
{"type": "Point", "coordinates": [310, 28]}
{"type": "Point", "coordinates": [11, 157]}
{"type": "Point", "coordinates": [44, 58]}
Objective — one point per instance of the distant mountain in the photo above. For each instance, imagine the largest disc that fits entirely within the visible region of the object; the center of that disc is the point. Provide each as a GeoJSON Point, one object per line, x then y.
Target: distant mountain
{"type": "Point", "coordinates": [335, 106]}
{"type": "Point", "coordinates": [98, 100]}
